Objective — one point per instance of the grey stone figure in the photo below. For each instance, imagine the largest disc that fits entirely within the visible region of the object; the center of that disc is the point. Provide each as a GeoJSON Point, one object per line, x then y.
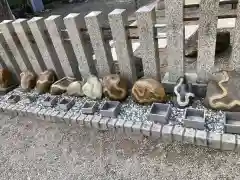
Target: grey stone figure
{"type": "Point", "coordinates": [184, 93]}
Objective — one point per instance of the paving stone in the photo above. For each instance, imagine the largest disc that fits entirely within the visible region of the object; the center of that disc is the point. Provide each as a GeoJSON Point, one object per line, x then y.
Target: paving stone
{"type": "Point", "coordinates": [41, 113]}
{"type": "Point", "coordinates": [67, 117]}
{"type": "Point", "coordinates": [214, 140]}
{"type": "Point", "coordinates": [111, 123]}
{"type": "Point", "coordinates": [128, 127]}
{"type": "Point", "coordinates": [189, 136]}
{"type": "Point", "coordinates": [80, 119]}
{"type": "Point", "coordinates": [228, 142]}
{"type": "Point", "coordinates": [156, 130]}
{"type": "Point", "coordinates": [103, 123]}
{"type": "Point", "coordinates": [146, 128]}
{"type": "Point", "coordinates": [19, 110]}
{"type": "Point", "coordinates": [60, 116]}
{"type": "Point", "coordinates": [74, 117]}
{"type": "Point", "coordinates": [87, 121]}
{"type": "Point", "coordinates": [95, 121]}
{"type": "Point", "coordinates": [1, 104]}
{"type": "Point", "coordinates": [167, 133]}
{"type": "Point", "coordinates": [201, 138]}
{"type": "Point", "coordinates": [24, 111]}
{"type": "Point", "coordinates": [136, 128]}
{"type": "Point", "coordinates": [238, 143]}
{"type": "Point", "coordinates": [14, 112]}
{"type": "Point", "coordinates": [47, 115]}
{"type": "Point", "coordinates": [53, 116]}
{"type": "Point", "coordinates": [35, 111]}
{"type": "Point", "coordinates": [178, 133]}
{"type": "Point", "coordinates": [119, 125]}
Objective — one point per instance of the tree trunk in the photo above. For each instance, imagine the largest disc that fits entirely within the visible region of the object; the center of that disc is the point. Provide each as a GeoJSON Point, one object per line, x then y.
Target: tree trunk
{"type": "Point", "coordinates": [5, 11]}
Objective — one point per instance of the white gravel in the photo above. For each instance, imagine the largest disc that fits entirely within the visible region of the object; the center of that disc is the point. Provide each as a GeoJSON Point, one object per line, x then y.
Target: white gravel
{"type": "Point", "coordinates": [32, 149]}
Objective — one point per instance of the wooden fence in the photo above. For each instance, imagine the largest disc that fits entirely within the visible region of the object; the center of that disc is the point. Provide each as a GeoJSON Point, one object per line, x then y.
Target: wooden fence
{"type": "Point", "coordinates": [67, 44]}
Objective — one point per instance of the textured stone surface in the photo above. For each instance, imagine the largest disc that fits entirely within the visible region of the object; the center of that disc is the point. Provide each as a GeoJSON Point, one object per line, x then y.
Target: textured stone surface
{"type": "Point", "coordinates": [201, 138]}
{"type": "Point", "coordinates": [92, 88]}
{"type": "Point", "coordinates": [88, 121]}
{"type": "Point", "coordinates": [128, 127]}
{"type": "Point", "coordinates": [37, 27]}
{"type": "Point", "coordinates": [207, 38]}
{"type": "Point", "coordinates": [189, 136]}
{"type": "Point", "coordinates": [102, 51]}
{"type": "Point", "coordinates": [167, 133]}
{"type": "Point", "coordinates": [95, 121]}
{"type": "Point", "coordinates": [103, 123]}
{"type": "Point", "coordinates": [115, 87]}
{"type": "Point", "coordinates": [80, 119]}
{"type": "Point", "coordinates": [28, 80]}
{"type": "Point", "coordinates": [175, 39]}
{"type": "Point", "coordinates": [119, 125]}
{"type": "Point", "coordinates": [146, 128]}
{"type": "Point", "coordinates": [74, 22]}
{"type": "Point", "coordinates": [136, 128]}
{"type": "Point", "coordinates": [146, 18]}
{"type": "Point", "coordinates": [45, 80]}
{"type": "Point", "coordinates": [111, 123]}
{"type": "Point", "coordinates": [214, 140]}
{"type": "Point", "coordinates": [54, 24]}
{"type": "Point", "coordinates": [148, 91]}
{"type": "Point", "coordinates": [75, 89]}
{"type": "Point", "coordinates": [178, 132]}
{"type": "Point", "coordinates": [156, 130]}
{"type": "Point", "coordinates": [238, 143]}
{"type": "Point", "coordinates": [21, 27]}
{"type": "Point", "coordinates": [118, 20]}
{"type": "Point", "coordinates": [228, 142]}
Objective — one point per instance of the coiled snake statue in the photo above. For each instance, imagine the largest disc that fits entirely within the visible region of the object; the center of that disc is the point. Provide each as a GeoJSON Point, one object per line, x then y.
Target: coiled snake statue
{"type": "Point", "coordinates": [183, 91]}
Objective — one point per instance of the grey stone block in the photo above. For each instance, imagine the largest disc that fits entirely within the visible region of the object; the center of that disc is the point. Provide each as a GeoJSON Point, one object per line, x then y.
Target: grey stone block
{"type": "Point", "coordinates": [19, 110]}
{"type": "Point", "coordinates": [67, 117]}
{"type": "Point", "coordinates": [112, 123]}
{"type": "Point", "coordinates": [59, 116]}
{"type": "Point", "coordinates": [95, 121]}
{"type": "Point", "coordinates": [103, 123]}
{"type": "Point", "coordinates": [228, 142]}
{"type": "Point", "coordinates": [214, 140]}
{"type": "Point", "coordinates": [177, 133]}
{"type": "Point", "coordinates": [119, 125]}
{"type": "Point", "coordinates": [89, 107]}
{"type": "Point", "coordinates": [24, 111]}
{"type": "Point", "coordinates": [238, 143]}
{"type": "Point", "coordinates": [35, 111]}
{"type": "Point", "coordinates": [4, 107]}
{"type": "Point", "coordinates": [41, 113]}
{"type": "Point", "coordinates": [66, 104]}
{"type": "Point", "coordinates": [156, 130]}
{"type": "Point", "coordinates": [80, 119]}
{"type": "Point", "coordinates": [110, 109]}
{"type": "Point", "coordinates": [146, 128]}
{"type": "Point", "coordinates": [189, 136]}
{"type": "Point", "coordinates": [13, 99]}
{"type": "Point", "coordinates": [75, 116]}
{"type": "Point", "coordinates": [47, 115]}
{"type": "Point", "coordinates": [160, 113]}
{"type": "Point", "coordinates": [136, 128]}
{"type": "Point", "coordinates": [194, 118]}
{"type": "Point", "coordinates": [167, 133]}
{"type": "Point", "coordinates": [201, 138]}
{"type": "Point", "coordinates": [232, 122]}
{"type": "Point", "coordinates": [128, 127]}
{"type": "Point", "coordinates": [53, 116]}
{"type": "Point", "coordinates": [50, 101]}
{"type": "Point", "coordinates": [88, 121]}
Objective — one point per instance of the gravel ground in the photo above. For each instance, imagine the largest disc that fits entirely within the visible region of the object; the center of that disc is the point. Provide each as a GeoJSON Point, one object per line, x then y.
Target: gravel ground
{"type": "Point", "coordinates": [32, 149]}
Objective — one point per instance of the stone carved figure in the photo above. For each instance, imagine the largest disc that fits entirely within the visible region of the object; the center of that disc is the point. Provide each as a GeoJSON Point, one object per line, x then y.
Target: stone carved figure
{"type": "Point", "coordinates": [75, 89]}
{"type": "Point", "coordinates": [92, 88]}
{"type": "Point", "coordinates": [147, 90]}
{"type": "Point", "coordinates": [183, 91]}
{"type": "Point", "coordinates": [5, 78]}
{"type": "Point", "coordinates": [115, 87]}
{"type": "Point", "coordinates": [45, 80]}
{"type": "Point", "coordinates": [28, 80]}
{"type": "Point", "coordinates": [223, 91]}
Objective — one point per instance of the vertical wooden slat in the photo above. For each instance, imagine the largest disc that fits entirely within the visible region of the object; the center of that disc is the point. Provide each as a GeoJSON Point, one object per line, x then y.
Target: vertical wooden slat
{"type": "Point", "coordinates": [18, 53]}
{"type": "Point", "coordinates": [54, 26]}
{"type": "Point", "coordinates": [118, 20]}
{"type": "Point", "coordinates": [146, 19]}
{"type": "Point", "coordinates": [207, 38]}
{"type": "Point", "coordinates": [175, 39]}
{"type": "Point", "coordinates": [235, 56]}
{"type": "Point", "coordinates": [74, 22]}
{"type": "Point", "coordinates": [21, 28]}
{"type": "Point", "coordinates": [38, 29]}
{"type": "Point", "coordinates": [102, 51]}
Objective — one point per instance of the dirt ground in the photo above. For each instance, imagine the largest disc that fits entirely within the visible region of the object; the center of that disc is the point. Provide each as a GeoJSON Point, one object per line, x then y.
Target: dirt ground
{"type": "Point", "coordinates": [34, 149]}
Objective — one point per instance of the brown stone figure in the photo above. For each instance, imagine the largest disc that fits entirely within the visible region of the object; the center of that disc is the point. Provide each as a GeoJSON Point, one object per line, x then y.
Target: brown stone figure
{"type": "Point", "coordinates": [5, 78]}
{"type": "Point", "coordinates": [45, 80]}
{"type": "Point", "coordinates": [146, 91]}
{"type": "Point", "coordinates": [28, 80]}
{"type": "Point", "coordinates": [115, 87]}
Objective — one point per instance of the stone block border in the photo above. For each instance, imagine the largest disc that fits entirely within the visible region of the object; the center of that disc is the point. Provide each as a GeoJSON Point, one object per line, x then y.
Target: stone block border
{"type": "Point", "coordinates": [167, 133]}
